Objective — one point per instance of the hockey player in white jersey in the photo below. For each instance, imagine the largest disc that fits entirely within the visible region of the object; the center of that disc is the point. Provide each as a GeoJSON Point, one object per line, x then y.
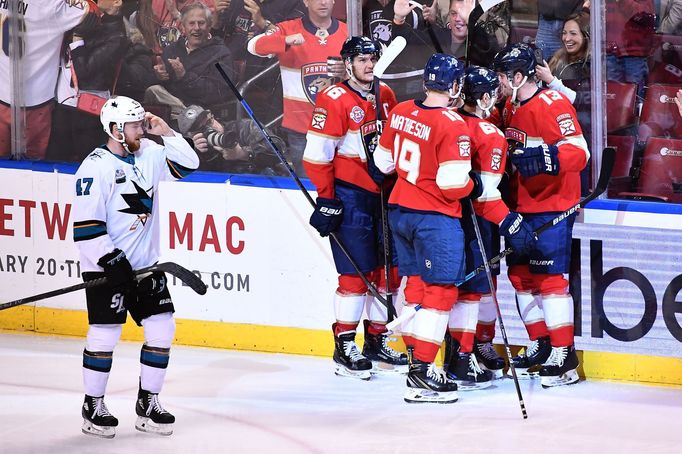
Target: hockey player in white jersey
{"type": "Point", "coordinates": [116, 230]}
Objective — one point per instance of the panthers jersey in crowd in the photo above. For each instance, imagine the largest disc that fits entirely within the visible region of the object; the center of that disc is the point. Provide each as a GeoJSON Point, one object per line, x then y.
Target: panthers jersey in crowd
{"type": "Point", "coordinates": [430, 149]}
{"type": "Point", "coordinates": [114, 206]}
{"type": "Point", "coordinates": [488, 159]}
{"type": "Point", "coordinates": [342, 131]}
{"type": "Point", "coordinates": [303, 67]}
{"type": "Point", "coordinates": [547, 117]}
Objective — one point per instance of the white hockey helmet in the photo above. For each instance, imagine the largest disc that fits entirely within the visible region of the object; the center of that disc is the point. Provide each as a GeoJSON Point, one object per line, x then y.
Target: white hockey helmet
{"type": "Point", "coordinates": [120, 110]}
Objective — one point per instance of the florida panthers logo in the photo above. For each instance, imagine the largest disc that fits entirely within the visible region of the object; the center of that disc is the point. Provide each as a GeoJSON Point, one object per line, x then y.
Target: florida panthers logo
{"type": "Point", "coordinates": [370, 138]}
{"type": "Point", "coordinates": [315, 79]}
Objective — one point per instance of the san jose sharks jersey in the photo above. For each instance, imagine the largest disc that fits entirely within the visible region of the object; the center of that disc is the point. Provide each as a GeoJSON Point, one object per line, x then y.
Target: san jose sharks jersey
{"type": "Point", "coordinates": [114, 204]}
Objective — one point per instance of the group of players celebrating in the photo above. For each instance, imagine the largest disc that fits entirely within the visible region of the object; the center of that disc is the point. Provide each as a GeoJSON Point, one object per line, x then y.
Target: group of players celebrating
{"type": "Point", "coordinates": [431, 156]}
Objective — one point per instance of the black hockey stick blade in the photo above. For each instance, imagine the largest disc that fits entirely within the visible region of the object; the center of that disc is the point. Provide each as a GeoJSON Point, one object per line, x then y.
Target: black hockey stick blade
{"type": "Point", "coordinates": [608, 159]}
{"type": "Point", "coordinates": [185, 275]}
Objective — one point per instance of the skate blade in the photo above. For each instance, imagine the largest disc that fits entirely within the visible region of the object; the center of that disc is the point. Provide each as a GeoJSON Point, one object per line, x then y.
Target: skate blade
{"type": "Point", "coordinates": [147, 425]}
{"type": "Point", "coordinates": [463, 385]}
{"type": "Point", "coordinates": [531, 373]}
{"type": "Point", "coordinates": [98, 431]}
{"type": "Point", "coordinates": [420, 395]}
{"type": "Point", "coordinates": [382, 368]}
{"type": "Point", "coordinates": [342, 371]}
{"type": "Point", "coordinates": [568, 378]}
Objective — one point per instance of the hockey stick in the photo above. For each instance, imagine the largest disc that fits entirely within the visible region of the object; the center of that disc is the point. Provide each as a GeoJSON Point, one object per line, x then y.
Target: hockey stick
{"type": "Point", "coordinates": [185, 275]}
{"type": "Point", "coordinates": [493, 293]}
{"type": "Point", "coordinates": [607, 160]}
{"type": "Point", "coordinates": [373, 290]}
{"type": "Point", "coordinates": [394, 49]}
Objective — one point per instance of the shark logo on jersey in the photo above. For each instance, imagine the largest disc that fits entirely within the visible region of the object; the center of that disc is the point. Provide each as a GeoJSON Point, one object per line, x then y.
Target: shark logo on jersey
{"type": "Point", "coordinates": [140, 204]}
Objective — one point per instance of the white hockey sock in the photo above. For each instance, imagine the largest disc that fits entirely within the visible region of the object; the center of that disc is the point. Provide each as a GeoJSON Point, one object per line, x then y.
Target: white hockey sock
{"type": "Point", "coordinates": [530, 307]}
{"type": "Point", "coordinates": [159, 330]}
{"type": "Point", "coordinates": [98, 357]}
{"type": "Point", "coordinates": [348, 308]}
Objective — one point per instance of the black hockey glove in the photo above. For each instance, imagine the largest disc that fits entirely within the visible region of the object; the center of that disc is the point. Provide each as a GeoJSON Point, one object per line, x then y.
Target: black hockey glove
{"type": "Point", "coordinates": [374, 172]}
{"type": "Point", "coordinates": [477, 190]}
{"type": "Point", "coordinates": [327, 216]}
{"type": "Point", "coordinates": [531, 161]}
{"type": "Point", "coordinates": [118, 271]}
{"type": "Point", "coordinates": [517, 233]}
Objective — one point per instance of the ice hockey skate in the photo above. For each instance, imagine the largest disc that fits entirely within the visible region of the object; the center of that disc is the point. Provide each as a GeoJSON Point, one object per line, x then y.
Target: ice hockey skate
{"type": "Point", "coordinates": [151, 416]}
{"type": "Point", "coordinates": [97, 420]}
{"type": "Point", "coordinates": [384, 358]}
{"type": "Point", "coordinates": [427, 383]}
{"type": "Point", "coordinates": [349, 361]}
{"type": "Point", "coordinates": [464, 369]}
{"type": "Point", "coordinates": [488, 358]}
{"type": "Point", "coordinates": [528, 363]}
{"type": "Point", "coordinates": [560, 368]}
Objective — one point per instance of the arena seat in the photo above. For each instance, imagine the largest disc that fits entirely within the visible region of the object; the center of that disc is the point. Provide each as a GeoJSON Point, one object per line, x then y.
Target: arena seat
{"type": "Point", "coordinates": [660, 176]}
{"type": "Point", "coordinates": [660, 115]}
{"type": "Point", "coordinates": [620, 105]}
{"type": "Point", "coordinates": [622, 174]}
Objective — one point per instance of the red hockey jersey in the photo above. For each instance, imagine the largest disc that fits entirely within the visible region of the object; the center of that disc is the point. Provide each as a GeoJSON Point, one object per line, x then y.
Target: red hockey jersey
{"type": "Point", "coordinates": [303, 67]}
{"type": "Point", "coordinates": [547, 117]}
{"type": "Point", "coordinates": [430, 149]}
{"type": "Point", "coordinates": [341, 136]}
{"type": "Point", "coordinates": [488, 159]}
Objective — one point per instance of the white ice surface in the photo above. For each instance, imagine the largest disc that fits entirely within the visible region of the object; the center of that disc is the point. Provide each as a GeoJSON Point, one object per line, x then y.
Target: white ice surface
{"type": "Point", "coordinates": [242, 402]}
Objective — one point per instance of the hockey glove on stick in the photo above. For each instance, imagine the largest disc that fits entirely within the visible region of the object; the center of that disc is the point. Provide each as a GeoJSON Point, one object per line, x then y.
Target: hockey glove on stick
{"type": "Point", "coordinates": [118, 271]}
{"type": "Point", "coordinates": [531, 161]}
{"type": "Point", "coordinates": [517, 233]}
{"type": "Point", "coordinates": [327, 216]}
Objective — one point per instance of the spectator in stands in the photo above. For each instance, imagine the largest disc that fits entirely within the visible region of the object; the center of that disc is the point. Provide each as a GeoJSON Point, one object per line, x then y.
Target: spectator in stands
{"type": "Point", "coordinates": [678, 101]}
{"type": "Point", "coordinates": [486, 39]}
{"type": "Point", "coordinates": [377, 20]}
{"type": "Point", "coordinates": [302, 46]}
{"type": "Point", "coordinates": [405, 73]}
{"type": "Point", "coordinates": [237, 21]}
{"type": "Point", "coordinates": [670, 14]}
{"type": "Point", "coordinates": [137, 71]}
{"type": "Point", "coordinates": [40, 64]}
{"type": "Point", "coordinates": [187, 71]}
{"type": "Point", "coordinates": [572, 60]}
{"type": "Point", "coordinates": [167, 16]}
{"type": "Point", "coordinates": [551, 17]}
{"type": "Point", "coordinates": [95, 55]}
{"type": "Point", "coordinates": [568, 72]}
{"type": "Point", "coordinates": [629, 40]}
{"type": "Point", "coordinates": [234, 146]}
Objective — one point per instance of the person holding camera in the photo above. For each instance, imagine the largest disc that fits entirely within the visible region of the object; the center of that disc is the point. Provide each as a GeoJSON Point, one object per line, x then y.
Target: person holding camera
{"type": "Point", "coordinates": [116, 231]}
{"type": "Point", "coordinates": [235, 146]}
